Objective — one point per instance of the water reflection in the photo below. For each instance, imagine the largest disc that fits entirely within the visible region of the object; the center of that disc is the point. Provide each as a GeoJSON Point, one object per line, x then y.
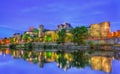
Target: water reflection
{"type": "Point", "coordinates": [64, 60]}
{"type": "Point", "coordinates": [101, 63]}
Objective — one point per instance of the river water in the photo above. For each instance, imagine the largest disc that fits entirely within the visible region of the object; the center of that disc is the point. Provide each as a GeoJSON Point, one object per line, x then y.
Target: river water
{"type": "Point", "coordinates": [34, 62]}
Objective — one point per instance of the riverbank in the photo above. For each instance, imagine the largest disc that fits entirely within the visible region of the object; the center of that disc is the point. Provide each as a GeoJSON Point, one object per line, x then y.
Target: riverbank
{"type": "Point", "coordinates": [60, 47]}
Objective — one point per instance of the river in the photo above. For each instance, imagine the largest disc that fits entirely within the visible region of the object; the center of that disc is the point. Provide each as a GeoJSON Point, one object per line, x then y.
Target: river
{"type": "Point", "coordinates": [47, 62]}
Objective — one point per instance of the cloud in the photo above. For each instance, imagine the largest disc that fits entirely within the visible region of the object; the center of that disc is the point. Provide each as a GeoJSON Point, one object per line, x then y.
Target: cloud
{"type": "Point", "coordinates": [116, 22]}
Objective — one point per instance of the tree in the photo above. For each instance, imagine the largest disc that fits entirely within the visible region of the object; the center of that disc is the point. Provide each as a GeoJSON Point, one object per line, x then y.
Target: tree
{"type": "Point", "coordinates": [26, 37]}
{"type": "Point", "coordinates": [35, 36]}
{"type": "Point", "coordinates": [79, 35]}
{"type": "Point", "coordinates": [61, 36]}
{"type": "Point", "coordinates": [29, 46]}
{"type": "Point", "coordinates": [36, 31]}
{"type": "Point", "coordinates": [47, 38]}
{"type": "Point", "coordinates": [61, 59]}
{"type": "Point", "coordinates": [12, 40]}
{"type": "Point", "coordinates": [69, 37]}
{"type": "Point", "coordinates": [91, 43]}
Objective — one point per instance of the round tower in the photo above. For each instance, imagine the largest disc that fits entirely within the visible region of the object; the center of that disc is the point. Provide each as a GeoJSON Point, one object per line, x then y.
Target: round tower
{"type": "Point", "coordinates": [41, 28]}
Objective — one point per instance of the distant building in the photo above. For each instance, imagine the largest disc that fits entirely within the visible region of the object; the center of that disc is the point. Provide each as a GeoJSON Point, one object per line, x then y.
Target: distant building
{"type": "Point", "coordinates": [52, 34]}
{"type": "Point", "coordinates": [0, 41]}
{"type": "Point", "coordinates": [30, 33]}
{"type": "Point", "coordinates": [114, 36]}
{"type": "Point", "coordinates": [17, 35]}
{"type": "Point", "coordinates": [31, 29]}
{"type": "Point", "coordinates": [65, 25]}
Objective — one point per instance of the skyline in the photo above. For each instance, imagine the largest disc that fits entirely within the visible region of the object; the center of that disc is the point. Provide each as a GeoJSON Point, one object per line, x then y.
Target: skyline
{"type": "Point", "coordinates": [18, 16]}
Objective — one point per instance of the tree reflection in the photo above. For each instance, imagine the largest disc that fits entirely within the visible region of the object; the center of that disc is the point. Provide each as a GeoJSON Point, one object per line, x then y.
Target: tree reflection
{"type": "Point", "coordinates": [68, 60]}
{"type": "Point", "coordinates": [64, 60]}
{"type": "Point", "coordinates": [80, 60]}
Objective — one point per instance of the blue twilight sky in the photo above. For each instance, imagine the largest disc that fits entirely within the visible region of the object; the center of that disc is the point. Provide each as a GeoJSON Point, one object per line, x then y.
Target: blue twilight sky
{"type": "Point", "coordinates": [19, 15]}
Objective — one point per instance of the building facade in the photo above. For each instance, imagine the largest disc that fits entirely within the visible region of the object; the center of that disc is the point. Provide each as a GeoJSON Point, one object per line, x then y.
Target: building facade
{"type": "Point", "coordinates": [65, 25]}
{"type": "Point", "coordinates": [100, 30]}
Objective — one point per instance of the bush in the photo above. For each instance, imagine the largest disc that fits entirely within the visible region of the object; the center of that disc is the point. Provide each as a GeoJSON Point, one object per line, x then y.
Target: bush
{"type": "Point", "coordinates": [91, 43]}
{"type": "Point", "coordinates": [12, 46]}
{"type": "Point", "coordinates": [29, 46]}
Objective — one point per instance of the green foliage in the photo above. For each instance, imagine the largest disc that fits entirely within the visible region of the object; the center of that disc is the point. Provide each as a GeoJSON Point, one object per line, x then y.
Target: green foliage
{"type": "Point", "coordinates": [61, 36]}
{"type": "Point", "coordinates": [35, 61]}
{"type": "Point", "coordinates": [58, 41]}
{"type": "Point", "coordinates": [29, 46]}
{"type": "Point", "coordinates": [26, 37]}
{"type": "Point", "coordinates": [25, 56]}
{"type": "Point", "coordinates": [79, 35]}
{"type": "Point", "coordinates": [80, 60]}
{"type": "Point", "coordinates": [12, 40]}
{"type": "Point", "coordinates": [49, 38]}
{"type": "Point", "coordinates": [35, 39]}
{"type": "Point", "coordinates": [47, 54]}
{"type": "Point", "coordinates": [91, 43]}
{"type": "Point", "coordinates": [12, 46]}
{"type": "Point", "coordinates": [35, 30]}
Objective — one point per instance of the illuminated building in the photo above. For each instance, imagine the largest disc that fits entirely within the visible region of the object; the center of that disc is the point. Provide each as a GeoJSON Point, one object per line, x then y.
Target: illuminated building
{"type": "Point", "coordinates": [101, 63]}
{"type": "Point", "coordinates": [116, 34]}
{"type": "Point", "coordinates": [96, 62]}
{"type": "Point", "coordinates": [100, 30]}
{"type": "Point", "coordinates": [105, 29]}
{"type": "Point", "coordinates": [94, 30]}
{"type": "Point", "coordinates": [106, 64]}
{"type": "Point", "coordinates": [17, 36]}
{"type": "Point", "coordinates": [16, 54]}
{"type": "Point", "coordinates": [5, 41]}
{"type": "Point", "coordinates": [0, 41]}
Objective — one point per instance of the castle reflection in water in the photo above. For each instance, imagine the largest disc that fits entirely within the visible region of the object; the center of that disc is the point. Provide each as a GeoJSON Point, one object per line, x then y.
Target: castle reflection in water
{"type": "Point", "coordinates": [64, 60]}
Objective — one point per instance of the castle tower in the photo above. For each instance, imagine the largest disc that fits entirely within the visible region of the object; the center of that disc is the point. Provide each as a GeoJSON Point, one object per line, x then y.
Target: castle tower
{"type": "Point", "coordinates": [105, 29]}
{"type": "Point", "coordinates": [41, 28]}
{"type": "Point", "coordinates": [100, 30]}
